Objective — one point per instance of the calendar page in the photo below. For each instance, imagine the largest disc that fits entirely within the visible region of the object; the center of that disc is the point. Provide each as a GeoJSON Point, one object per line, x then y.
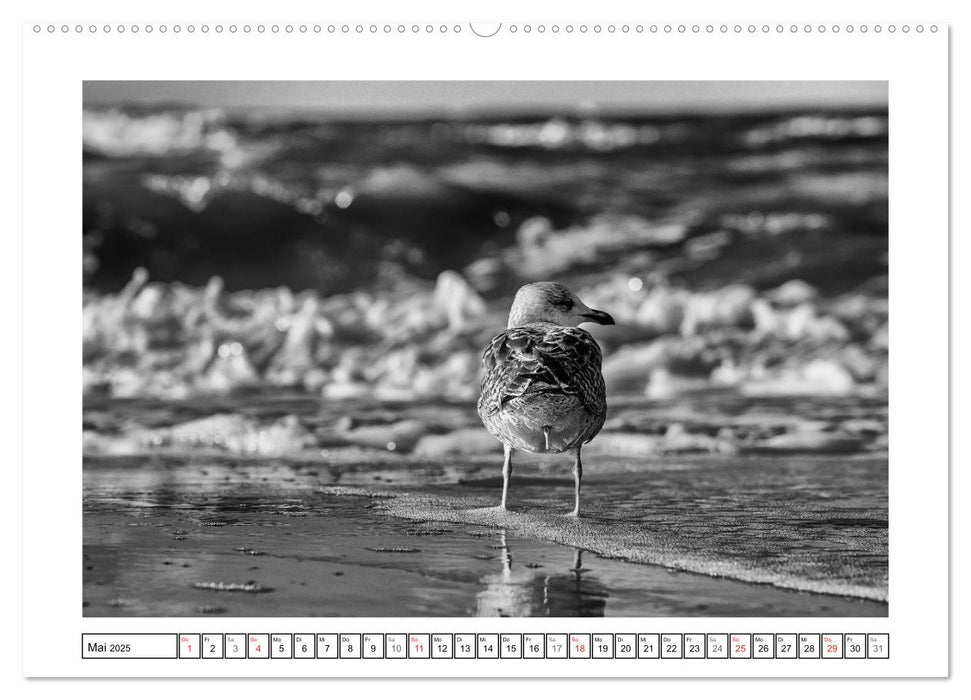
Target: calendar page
{"type": "Point", "coordinates": [438, 348]}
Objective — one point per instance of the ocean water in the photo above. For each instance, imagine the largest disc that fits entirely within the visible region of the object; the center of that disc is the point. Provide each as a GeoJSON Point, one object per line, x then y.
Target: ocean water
{"type": "Point", "coordinates": [232, 251]}
{"type": "Point", "coordinates": [313, 202]}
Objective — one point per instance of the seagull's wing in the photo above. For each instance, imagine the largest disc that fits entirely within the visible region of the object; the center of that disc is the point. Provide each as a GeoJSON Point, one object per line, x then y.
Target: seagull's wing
{"type": "Point", "coordinates": [542, 358]}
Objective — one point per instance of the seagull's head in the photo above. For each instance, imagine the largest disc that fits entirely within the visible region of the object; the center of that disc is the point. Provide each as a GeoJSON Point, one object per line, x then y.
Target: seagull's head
{"type": "Point", "coordinates": [552, 302]}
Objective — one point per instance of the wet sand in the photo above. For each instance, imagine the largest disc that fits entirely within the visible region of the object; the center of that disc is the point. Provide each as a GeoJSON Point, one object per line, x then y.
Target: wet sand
{"type": "Point", "coordinates": [168, 535]}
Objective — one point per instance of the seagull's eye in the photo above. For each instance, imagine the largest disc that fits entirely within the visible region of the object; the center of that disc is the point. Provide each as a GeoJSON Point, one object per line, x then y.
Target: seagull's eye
{"type": "Point", "coordinates": [560, 299]}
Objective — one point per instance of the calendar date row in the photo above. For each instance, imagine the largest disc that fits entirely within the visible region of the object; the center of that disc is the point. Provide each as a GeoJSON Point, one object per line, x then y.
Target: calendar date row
{"type": "Point", "coordinates": [487, 646]}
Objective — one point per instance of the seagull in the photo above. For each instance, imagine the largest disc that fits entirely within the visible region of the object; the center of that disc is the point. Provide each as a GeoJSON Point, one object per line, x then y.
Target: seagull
{"type": "Point", "coordinates": [542, 388]}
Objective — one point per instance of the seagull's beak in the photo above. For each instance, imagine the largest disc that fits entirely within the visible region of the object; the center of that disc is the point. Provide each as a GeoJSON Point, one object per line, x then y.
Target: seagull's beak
{"type": "Point", "coordinates": [601, 317]}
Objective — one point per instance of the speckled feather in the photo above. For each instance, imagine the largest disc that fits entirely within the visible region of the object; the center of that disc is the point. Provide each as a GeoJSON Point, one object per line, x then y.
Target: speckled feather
{"type": "Point", "coordinates": [543, 374]}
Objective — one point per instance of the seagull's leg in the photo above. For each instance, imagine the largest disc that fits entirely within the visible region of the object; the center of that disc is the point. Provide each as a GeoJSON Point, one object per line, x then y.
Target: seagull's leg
{"type": "Point", "coordinates": [577, 475]}
{"type": "Point", "coordinates": [506, 473]}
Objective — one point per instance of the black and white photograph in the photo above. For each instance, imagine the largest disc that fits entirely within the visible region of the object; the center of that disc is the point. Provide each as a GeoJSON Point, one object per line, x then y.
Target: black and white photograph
{"type": "Point", "coordinates": [472, 348]}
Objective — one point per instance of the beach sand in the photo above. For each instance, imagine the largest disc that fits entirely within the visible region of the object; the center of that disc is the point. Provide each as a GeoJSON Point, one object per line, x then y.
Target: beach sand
{"type": "Point", "coordinates": [357, 535]}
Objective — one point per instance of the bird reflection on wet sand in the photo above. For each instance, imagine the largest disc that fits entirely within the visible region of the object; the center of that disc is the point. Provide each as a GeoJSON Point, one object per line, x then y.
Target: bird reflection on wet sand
{"type": "Point", "coordinates": [521, 591]}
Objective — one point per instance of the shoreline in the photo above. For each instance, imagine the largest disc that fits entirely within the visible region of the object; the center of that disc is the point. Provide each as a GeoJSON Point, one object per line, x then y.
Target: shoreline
{"type": "Point", "coordinates": [342, 552]}
{"type": "Point", "coordinates": [563, 530]}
